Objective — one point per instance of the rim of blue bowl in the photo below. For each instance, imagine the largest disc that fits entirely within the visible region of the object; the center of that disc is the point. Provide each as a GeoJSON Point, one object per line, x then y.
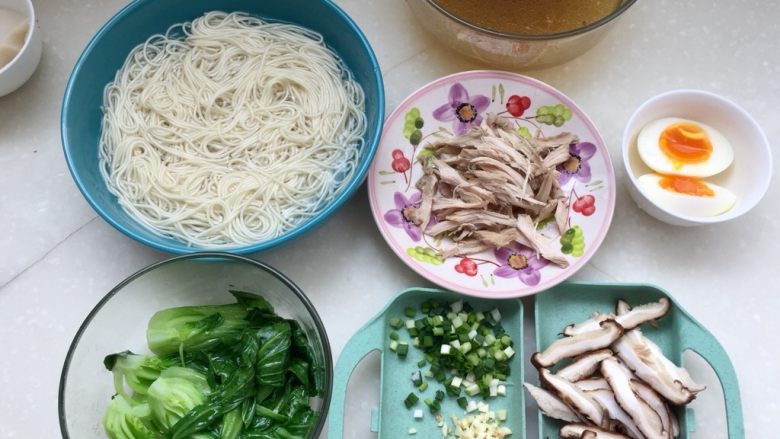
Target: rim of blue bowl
{"type": "Point", "coordinates": [341, 198]}
{"type": "Point", "coordinates": [207, 256]}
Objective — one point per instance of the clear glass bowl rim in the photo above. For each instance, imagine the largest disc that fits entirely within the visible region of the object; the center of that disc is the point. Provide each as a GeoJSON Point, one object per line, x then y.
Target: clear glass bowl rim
{"type": "Point", "coordinates": [546, 37]}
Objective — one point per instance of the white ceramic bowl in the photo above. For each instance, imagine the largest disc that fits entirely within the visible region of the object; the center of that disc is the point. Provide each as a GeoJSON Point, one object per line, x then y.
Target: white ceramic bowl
{"type": "Point", "coordinates": [19, 70]}
{"type": "Point", "coordinates": [748, 177]}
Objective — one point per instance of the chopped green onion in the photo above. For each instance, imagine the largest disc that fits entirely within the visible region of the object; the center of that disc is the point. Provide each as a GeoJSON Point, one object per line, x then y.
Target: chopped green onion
{"type": "Point", "coordinates": [456, 382]}
{"type": "Point", "coordinates": [402, 349]}
{"type": "Point", "coordinates": [396, 323]}
{"type": "Point", "coordinates": [456, 306]}
{"type": "Point", "coordinates": [465, 350]}
{"type": "Point", "coordinates": [434, 406]}
{"type": "Point", "coordinates": [472, 390]}
{"type": "Point", "coordinates": [411, 400]}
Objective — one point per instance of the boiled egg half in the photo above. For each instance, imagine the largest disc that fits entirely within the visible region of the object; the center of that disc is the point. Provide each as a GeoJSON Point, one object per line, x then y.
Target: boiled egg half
{"type": "Point", "coordinates": [674, 146]}
{"type": "Point", "coordinates": [687, 195]}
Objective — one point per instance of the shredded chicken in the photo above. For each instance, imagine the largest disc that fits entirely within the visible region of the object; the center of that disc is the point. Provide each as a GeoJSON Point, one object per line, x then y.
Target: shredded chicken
{"type": "Point", "coordinates": [490, 187]}
{"type": "Point", "coordinates": [422, 215]}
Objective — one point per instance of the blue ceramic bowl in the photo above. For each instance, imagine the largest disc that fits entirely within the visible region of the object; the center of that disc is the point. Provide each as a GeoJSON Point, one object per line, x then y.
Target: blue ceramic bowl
{"type": "Point", "coordinates": [105, 54]}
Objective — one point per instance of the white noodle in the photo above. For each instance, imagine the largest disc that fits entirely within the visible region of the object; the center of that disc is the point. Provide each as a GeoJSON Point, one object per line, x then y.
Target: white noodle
{"type": "Point", "coordinates": [229, 130]}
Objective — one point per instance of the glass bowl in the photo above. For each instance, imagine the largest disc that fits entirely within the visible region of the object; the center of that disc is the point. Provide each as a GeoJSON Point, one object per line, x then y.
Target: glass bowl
{"type": "Point", "coordinates": [118, 322]}
{"type": "Point", "coordinates": [511, 50]}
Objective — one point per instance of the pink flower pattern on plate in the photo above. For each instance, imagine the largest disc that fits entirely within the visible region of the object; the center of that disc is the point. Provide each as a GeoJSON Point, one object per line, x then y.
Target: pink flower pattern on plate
{"type": "Point", "coordinates": [461, 109]}
{"type": "Point", "coordinates": [521, 262]}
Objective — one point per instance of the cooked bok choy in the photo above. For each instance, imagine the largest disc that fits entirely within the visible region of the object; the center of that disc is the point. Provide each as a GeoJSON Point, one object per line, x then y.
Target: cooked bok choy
{"type": "Point", "coordinates": [220, 372]}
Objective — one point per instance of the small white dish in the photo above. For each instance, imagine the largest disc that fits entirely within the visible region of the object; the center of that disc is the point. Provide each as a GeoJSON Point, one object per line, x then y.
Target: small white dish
{"type": "Point", "coordinates": [748, 177]}
{"type": "Point", "coordinates": [14, 74]}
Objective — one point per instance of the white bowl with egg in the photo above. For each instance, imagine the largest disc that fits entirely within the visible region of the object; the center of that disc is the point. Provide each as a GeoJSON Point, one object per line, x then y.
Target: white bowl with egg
{"type": "Point", "coordinates": [20, 44]}
{"type": "Point", "coordinates": [688, 187]}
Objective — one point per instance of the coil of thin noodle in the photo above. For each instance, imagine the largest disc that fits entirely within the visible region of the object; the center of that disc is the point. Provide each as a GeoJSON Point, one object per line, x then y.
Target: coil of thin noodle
{"type": "Point", "coordinates": [229, 130]}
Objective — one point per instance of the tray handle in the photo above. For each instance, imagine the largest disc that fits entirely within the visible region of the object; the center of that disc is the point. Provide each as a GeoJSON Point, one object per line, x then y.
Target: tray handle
{"type": "Point", "coordinates": [701, 341]}
{"type": "Point", "coordinates": [365, 341]}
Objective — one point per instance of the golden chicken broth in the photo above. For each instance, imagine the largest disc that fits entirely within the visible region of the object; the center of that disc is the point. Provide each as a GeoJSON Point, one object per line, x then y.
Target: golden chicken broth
{"type": "Point", "coordinates": [530, 17]}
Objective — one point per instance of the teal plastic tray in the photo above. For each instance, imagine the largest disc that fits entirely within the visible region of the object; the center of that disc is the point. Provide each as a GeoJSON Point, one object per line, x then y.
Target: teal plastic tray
{"type": "Point", "coordinates": [676, 333]}
{"type": "Point", "coordinates": [554, 309]}
{"type": "Point", "coordinates": [394, 418]}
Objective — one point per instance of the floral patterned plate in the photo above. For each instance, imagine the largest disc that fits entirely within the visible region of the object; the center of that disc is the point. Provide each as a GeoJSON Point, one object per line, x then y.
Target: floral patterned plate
{"type": "Point", "coordinates": [451, 105]}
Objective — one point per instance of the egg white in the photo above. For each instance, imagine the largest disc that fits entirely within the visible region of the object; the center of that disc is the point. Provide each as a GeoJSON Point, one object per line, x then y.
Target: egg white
{"type": "Point", "coordinates": [649, 150]}
{"type": "Point", "coordinates": [691, 205]}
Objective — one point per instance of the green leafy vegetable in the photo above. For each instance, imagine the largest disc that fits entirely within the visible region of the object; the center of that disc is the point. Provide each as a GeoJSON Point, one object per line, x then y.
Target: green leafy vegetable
{"type": "Point", "coordinates": [232, 424]}
{"type": "Point", "coordinates": [199, 328]}
{"type": "Point", "coordinates": [138, 372]}
{"type": "Point", "coordinates": [235, 371]}
{"type": "Point", "coordinates": [127, 419]}
{"type": "Point", "coordinates": [274, 353]}
{"type": "Point", "coordinates": [177, 391]}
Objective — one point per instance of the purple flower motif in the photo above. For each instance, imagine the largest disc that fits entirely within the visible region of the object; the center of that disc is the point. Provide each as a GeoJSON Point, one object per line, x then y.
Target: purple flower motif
{"type": "Point", "coordinates": [577, 165]}
{"type": "Point", "coordinates": [520, 261]}
{"type": "Point", "coordinates": [398, 217]}
{"type": "Point", "coordinates": [462, 110]}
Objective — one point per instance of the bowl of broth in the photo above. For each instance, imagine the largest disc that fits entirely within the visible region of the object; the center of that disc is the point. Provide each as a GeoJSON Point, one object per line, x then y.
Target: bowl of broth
{"type": "Point", "coordinates": [519, 34]}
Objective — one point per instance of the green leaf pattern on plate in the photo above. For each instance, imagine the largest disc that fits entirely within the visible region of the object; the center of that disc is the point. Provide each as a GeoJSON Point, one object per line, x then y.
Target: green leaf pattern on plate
{"type": "Point", "coordinates": [425, 254]}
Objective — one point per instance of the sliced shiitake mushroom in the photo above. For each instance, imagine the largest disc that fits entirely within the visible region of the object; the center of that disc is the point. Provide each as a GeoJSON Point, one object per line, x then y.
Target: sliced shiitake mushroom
{"type": "Point", "coordinates": [644, 313]}
{"type": "Point", "coordinates": [567, 347]}
{"type": "Point", "coordinates": [606, 399]}
{"type": "Point", "coordinates": [577, 400]}
{"type": "Point", "coordinates": [629, 318]}
{"type": "Point", "coordinates": [638, 386]}
{"type": "Point", "coordinates": [645, 418]}
{"type": "Point", "coordinates": [591, 324]}
{"type": "Point", "coordinates": [580, 431]}
{"type": "Point", "coordinates": [584, 365]}
{"type": "Point", "coordinates": [593, 384]}
{"type": "Point", "coordinates": [658, 404]}
{"type": "Point", "coordinates": [647, 361]}
{"type": "Point", "coordinates": [550, 405]}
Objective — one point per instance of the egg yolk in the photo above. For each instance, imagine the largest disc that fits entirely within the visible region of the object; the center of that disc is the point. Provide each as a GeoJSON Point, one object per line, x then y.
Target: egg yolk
{"type": "Point", "coordinates": [685, 143]}
{"type": "Point", "coordinates": [686, 185]}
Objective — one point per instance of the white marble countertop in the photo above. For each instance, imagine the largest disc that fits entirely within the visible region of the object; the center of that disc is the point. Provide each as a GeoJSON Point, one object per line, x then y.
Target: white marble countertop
{"type": "Point", "coordinates": [57, 258]}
